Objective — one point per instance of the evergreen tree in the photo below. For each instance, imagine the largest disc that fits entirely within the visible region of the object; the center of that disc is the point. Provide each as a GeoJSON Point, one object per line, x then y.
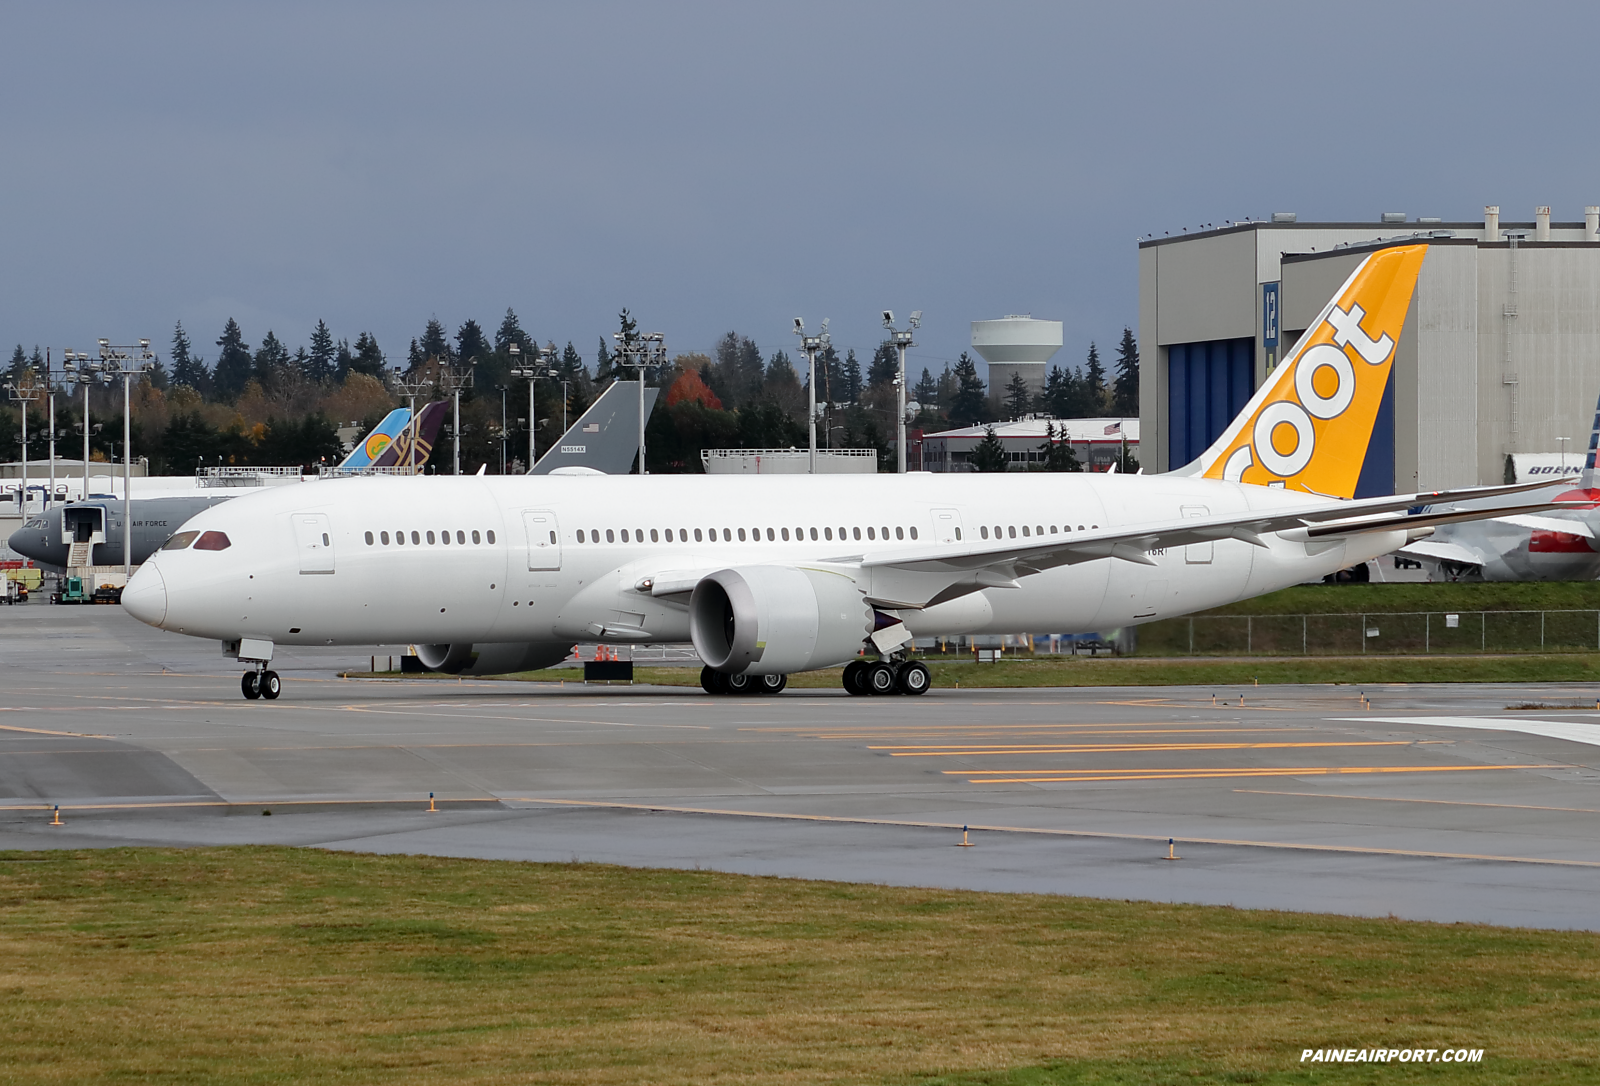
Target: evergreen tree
{"type": "Point", "coordinates": [603, 374]}
{"type": "Point", "coordinates": [885, 365]}
{"type": "Point", "coordinates": [319, 367]}
{"type": "Point", "coordinates": [737, 373]}
{"type": "Point", "coordinates": [344, 361]}
{"type": "Point", "coordinates": [471, 343]}
{"type": "Point", "coordinates": [968, 404]}
{"type": "Point", "coordinates": [1057, 453]}
{"type": "Point", "coordinates": [990, 453]}
{"type": "Point", "coordinates": [1125, 390]}
{"type": "Point", "coordinates": [1094, 375]}
{"type": "Point", "coordinates": [414, 356]}
{"type": "Point", "coordinates": [830, 374]}
{"type": "Point", "coordinates": [434, 344]}
{"type": "Point", "coordinates": [947, 387]}
{"type": "Point", "coordinates": [19, 362]}
{"type": "Point", "coordinates": [852, 378]}
{"type": "Point", "coordinates": [368, 358]}
{"type": "Point", "coordinates": [36, 360]}
{"type": "Point", "coordinates": [301, 362]}
{"type": "Point", "coordinates": [1019, 398]}
{"type": "Point", "coordinates": [926, 392]}
{"type": "Point", "coordinates": [187, 367]}
{"type": "Point", "coordinates": [271, 360]}
{"type": "Point", "coordinates": [509, 332]}
{"type": "Point", "coordinates": [572, 363]}
{"type": "Point", "coordinates": [233, 362]}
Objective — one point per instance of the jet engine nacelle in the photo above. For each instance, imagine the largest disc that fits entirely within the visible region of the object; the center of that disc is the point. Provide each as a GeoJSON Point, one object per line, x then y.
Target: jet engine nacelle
{"type": "Point", "coordinates": [496, 658]}
{"type": "Point", "coordinates": [773, 620]}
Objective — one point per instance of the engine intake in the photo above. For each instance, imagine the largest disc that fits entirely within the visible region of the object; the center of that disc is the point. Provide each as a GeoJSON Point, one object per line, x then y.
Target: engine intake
{"type": "Point", "coordinates": [496, 658]}
{"type": "Point", "coordinates": [774, 620]}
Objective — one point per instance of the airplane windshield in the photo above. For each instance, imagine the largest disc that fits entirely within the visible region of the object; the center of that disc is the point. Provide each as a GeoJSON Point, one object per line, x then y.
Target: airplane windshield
{"type": "Point", "coordinates": [213, 541]}
{"type": "Point", "coordinates": [179, 541]}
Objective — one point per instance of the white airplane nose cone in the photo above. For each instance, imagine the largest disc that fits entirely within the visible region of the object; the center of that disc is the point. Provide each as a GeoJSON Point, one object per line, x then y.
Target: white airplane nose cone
{"type": "Point", "coordinates": [145, 597]}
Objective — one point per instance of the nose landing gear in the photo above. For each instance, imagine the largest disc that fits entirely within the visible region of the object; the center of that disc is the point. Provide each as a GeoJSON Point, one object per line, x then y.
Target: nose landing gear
{"type": "Point", "coordinates": [261, 684]}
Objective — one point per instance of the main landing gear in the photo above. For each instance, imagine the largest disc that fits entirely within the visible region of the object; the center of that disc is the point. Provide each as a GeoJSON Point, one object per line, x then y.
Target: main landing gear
{"type": "Point", "coordinates": [261, 684]}
{"type": "Point", "coordinates": [863, 677]}
{"type": "Point", "coordinates": [713, 681]}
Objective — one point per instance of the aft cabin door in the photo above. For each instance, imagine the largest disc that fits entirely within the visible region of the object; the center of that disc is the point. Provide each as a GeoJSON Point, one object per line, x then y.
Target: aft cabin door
{"type": "Point", "coordinates": [544, 539]}
{"type": "Point", "coordinates": [947, 526]}
{"type": "Point", "coordinates": [1197, 554]}
{"type": "Point", "coordinates": [313, 536]}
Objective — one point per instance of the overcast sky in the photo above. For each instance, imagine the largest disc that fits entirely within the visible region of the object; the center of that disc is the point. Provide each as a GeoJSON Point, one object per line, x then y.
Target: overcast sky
{"type": "Point", "coordinates": [731, 166]}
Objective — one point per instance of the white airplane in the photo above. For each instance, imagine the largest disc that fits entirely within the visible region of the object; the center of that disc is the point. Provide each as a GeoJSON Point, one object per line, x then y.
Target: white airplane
{"type": "Point", "coordinates": [1558, 546]}
{"type": "Point", "coordinates": [772, 575]}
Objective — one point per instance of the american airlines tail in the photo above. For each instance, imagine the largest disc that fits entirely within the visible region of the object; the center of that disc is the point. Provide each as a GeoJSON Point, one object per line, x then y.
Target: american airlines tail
{"type": "Point", "coordinates": [1313, 426]}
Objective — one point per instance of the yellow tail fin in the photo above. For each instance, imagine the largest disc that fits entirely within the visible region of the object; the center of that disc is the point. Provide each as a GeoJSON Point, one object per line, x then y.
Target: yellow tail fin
{"type": "Point", "coordinates": [1310, 426]}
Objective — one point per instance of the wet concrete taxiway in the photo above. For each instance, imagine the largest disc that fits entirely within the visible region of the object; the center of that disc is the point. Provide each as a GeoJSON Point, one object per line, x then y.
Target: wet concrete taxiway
{"type": "Point", "coordinates": [1431, 802]}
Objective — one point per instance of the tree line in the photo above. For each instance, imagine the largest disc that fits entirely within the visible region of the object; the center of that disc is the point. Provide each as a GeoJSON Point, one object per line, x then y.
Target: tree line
{"type": "Point", "coordinates": [270, 404]}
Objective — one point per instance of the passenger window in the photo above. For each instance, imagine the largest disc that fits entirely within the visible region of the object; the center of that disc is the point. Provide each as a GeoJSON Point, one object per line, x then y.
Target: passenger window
{"type": "Point", "coordinates": [900, 533]}
{"type": "Point", "coordinates": [770, 536]}
{"type": "Point", "coordinates": [478, 539]}
{"type": "Point", "coordinates": [697, 535]}
{"type": "Point", "coordinates": [183, 539]}
{"type": "Point", "coordinates": [1038, 529]}
{"type": "Point", "coordinates": [958, 533]}
{"type": "Point", "coordinates": [431, 539]}
{"type": "Point", "coordinates": [400, 539]}
{"type": "Point", "coordinates": [580, 536]}
{"type": "Point", "coordinates": [1052, 529]}
{"type": "Point", "coordinates": [461, 537]}
{"type": "Point", "coordinates": [871, 534]}
{"type": "Point", "coordinates": [624, 535]}
{"type": "Point", "coordinates": [168, 543]}
{"type": "Point", "coordinates": [1024, 531]}
{"type": "Point", "coordinates": [638, 535]}
{"type": "Point", "coordinates": [610, 536]}
{"type": "Point", "coordinates": [213, 541]}
{"type": "Point", "coordinates": [786, 535]}
{"type": "Point", "coordinates": [741, 534]}
{"type": "Point", "coordinates": [984, 531]}
{"type": "Point", "coordinates": [827, 533]}
{"type": "Point", "coordinates": [325, 541]}
{"type": "Point", "coordinates": [813, 535]}
{"type": "Point", "coordinates": [385, 537]}
{"type": "Point", "coordinates": [885, 532]}
{"type": "Point", "coordinates": [856, 532]}
{"type": "Point", "coordinates": [1080, 527]}
{"type": "Point", "coordinates": [654, 537]}
{"type": "Point", "coordinates": [552, 539]}
{"type": "Point", "coordinates": [444, 537]}
{"type": "Point", "coordinates": [1014, 531]}
{"type": "Point", "coordinates": [416, 537]}
{"type": "Point", "coordinates": [489, 535]}
{"type": "Point", "coordinates": [727, 535]}
{"type": "Point", "coordinates": [999, 532]}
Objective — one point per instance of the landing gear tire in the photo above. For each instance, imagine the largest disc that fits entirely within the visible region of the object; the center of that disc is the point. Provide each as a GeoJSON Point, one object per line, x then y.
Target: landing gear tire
{"type": "Point", "coordinates": [880, 678]}
{"type": "Point", "coordinates": [710, 680]}
{"type": "Point", "coordinates": [250, 685]}
{"type": "Point", "coordinates": [853, 684]}
{"type": "Point", "coordinates": [739, 684]}
{"type": "Point", "coordinates": [270, 685]}
{"type": "Point", "coordinates": [913, 679]}
{"type": "Point", "coordinates": [771, 684]}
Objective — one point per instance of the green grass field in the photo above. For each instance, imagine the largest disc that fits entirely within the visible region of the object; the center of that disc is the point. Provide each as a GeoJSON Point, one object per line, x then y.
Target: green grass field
{"type": "Point", "coordinates": [266, 965]}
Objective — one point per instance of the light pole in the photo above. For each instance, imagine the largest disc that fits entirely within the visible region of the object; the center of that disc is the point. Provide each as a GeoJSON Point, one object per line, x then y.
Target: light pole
{"type": "Point", "coordinates": [410, 387]}
{"type": "Point", "coordinates": [531, 374]}
{"type": "Point", "coordinates": [114, 361]}
{"type": "Point", "coordinates": [502, 390]}
{"type": "Point", "coordinates": [902, 340]}
{"type": "Point", "coordinates": [80, 368]}
{"type": "Point", "coordinates": [453, 382]}
{"type": "Point", "coordinates": [23, 394]}
{"type": "Point", "coordinates": [643, 351]}
{"type": "Point", "coordinates": [53, 385]}
{"type": "Point", "coordinates": [811, 345]}
{"type": "Point", "coordinates": [547, 359]}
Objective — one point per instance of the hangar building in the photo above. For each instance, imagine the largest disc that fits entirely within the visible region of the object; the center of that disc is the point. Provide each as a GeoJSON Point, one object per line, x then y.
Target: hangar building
{"type": "Point", "coordinates": [1500, 354]}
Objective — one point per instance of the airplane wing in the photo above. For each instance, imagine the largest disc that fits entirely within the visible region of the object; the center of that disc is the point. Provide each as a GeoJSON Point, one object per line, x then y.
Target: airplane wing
{"type": "Point", "coordinates": [1551, 524]}
{"type": "Point", "coordinates": [1442, 552]}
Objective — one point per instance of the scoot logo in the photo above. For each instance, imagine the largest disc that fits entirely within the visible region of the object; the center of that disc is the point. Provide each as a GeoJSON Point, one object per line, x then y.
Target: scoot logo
{"type": "Point", "coordinates": [1330, 390]}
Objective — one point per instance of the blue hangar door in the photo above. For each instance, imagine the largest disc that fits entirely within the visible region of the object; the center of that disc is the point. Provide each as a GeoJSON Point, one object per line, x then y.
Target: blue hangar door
{"type": "Point", "coordinates": [1207, 385]}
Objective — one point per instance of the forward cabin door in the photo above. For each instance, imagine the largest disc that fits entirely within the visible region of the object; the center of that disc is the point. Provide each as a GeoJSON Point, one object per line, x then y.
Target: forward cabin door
{"type": "Point", "coordinates": [313, 537]}
{"type": "Point", "coordinates": [544, 539]}
{"type": "Point", "coordinates": [1198, 554]}
{"type": "Point", "coordinates": [947, 526]}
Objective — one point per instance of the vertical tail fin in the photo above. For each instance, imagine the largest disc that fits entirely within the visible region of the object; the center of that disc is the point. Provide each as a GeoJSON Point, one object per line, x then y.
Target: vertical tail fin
{"type": "Point", "coordinates": [1586, 481]}
{"type": "Point", "coordinates": [1310, 425]}
{"type": "Point", "coordinates": [370, 448]}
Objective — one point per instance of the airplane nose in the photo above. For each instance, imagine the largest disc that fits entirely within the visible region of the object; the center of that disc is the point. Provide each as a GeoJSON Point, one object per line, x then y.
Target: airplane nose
{"type": "Point", "coordinates": [145, 597]}
{"type": "Point", "coordinates": [24, 542]}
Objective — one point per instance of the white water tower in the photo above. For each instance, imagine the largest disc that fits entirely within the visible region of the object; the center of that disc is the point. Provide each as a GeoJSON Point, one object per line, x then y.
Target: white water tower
{"type": "Point", "coordinates": [1016, 344]}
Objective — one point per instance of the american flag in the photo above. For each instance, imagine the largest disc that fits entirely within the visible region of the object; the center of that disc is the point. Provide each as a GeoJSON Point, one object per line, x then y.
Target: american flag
{"type": "Point", "coordinates": [1115, 427]}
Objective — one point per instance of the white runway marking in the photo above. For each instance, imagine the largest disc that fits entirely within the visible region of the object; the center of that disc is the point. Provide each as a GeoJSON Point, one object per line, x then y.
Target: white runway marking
{"type": "Point", "coordinates": [1552, 729]}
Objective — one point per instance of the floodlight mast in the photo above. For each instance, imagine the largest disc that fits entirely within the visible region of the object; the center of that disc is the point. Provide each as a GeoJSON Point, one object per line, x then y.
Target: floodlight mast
{"type": "Point", "coordinates": [453, 382]}
{"type": "Point", "coordinates": [902, 340]}
{"type": "Point", "coordinates": [811, 345]}
{"type": "Point", "coordinates": [127, 362]}
{"type": "Point", "coordinates": [23, 395]}
{"type": "Point", "coordinates": [409, 387]}
{"type": "Point", "coordinates": [643, 351]}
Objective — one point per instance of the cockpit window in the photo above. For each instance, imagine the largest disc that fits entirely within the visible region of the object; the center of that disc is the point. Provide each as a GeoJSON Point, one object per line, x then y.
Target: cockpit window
{"type": "Point", "coordinates": [213, 541]}
{"type": "Point", "coordinates": [179, 541]}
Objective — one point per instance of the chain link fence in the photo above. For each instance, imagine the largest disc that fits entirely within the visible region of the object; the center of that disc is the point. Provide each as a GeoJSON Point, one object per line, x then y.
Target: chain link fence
{"type": "Point", "coordinates": [1409, 633]}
